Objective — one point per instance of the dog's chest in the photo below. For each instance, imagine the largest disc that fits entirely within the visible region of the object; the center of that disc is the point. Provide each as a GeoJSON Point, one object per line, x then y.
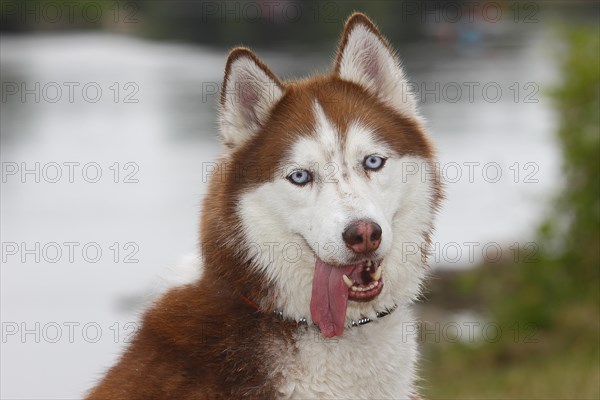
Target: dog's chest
{"type": "Point", "coordinates": [371, 361]}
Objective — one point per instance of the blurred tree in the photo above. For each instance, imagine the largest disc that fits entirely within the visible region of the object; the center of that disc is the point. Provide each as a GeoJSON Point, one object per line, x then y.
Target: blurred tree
{"type": "Point", "coordinates": [578, 100]}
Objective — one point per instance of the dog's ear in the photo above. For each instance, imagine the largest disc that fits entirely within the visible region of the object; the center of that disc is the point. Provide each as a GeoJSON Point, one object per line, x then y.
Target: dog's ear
{"type": "Point", "coordinates": [249, 92]}
{"type": "Point", "coordinates": [365, 57]}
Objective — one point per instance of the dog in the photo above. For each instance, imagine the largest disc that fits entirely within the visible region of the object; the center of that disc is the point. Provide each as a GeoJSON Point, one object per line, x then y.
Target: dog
{"type": "Point", "coordinates": [307, 234]}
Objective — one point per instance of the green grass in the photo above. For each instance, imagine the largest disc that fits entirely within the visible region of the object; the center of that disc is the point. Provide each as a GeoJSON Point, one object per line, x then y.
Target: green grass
{"type": "Point", "coordinates": [572, 375]}
{"type": "Point", "coordinates": [562, 363]}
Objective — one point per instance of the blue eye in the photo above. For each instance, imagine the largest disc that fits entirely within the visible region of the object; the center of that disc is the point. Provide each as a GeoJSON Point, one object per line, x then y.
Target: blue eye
{"type": "Point", "coordinates": [300, 177]}
{"type": "Point", "coordinates": [373, 162]}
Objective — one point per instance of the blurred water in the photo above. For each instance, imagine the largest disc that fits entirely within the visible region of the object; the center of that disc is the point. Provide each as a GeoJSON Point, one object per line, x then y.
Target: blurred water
{"type": "Point", "coordinates": [168, 134]}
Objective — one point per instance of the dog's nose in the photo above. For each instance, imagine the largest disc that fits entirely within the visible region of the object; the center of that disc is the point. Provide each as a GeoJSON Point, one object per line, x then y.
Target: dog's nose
{"type": "Point", "coordinates": [362, 236]}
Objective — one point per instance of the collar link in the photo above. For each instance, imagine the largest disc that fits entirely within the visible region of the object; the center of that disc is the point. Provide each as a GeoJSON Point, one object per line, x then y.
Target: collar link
{"type": "Point", "coordinates": [359, 322]}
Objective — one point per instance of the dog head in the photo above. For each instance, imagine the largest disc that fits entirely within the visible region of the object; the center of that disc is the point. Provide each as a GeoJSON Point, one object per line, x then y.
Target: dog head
{"type": "Point", "coordinates": [326, 193]}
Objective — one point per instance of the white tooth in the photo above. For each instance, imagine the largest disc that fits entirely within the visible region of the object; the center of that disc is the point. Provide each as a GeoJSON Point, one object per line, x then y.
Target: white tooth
{"type": "Point", "coordinates": [377, 274]}
{"type": "Point", "coordinates": [354, 288]}
{"type": "Point", "coordinates": [347, 281]}
{"type": "Point", "coordinates": [368, 263]}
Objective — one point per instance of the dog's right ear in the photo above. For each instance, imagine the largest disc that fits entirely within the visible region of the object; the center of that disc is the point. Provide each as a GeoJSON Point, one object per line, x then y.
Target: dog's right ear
{"type": "Point", "coordinates": [249, 92]}
{"type": "Point", "coordinates": [366, 58]}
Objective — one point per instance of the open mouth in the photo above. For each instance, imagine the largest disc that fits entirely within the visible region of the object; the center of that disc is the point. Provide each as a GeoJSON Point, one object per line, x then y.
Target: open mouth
{"type": "Point", "coordinates": [334, 285]}
{"type": "Point", "coordinates": [364, 281]}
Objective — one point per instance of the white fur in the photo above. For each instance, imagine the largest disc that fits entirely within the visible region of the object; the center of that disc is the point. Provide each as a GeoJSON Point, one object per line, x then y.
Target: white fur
{"type": "Point", "coordinates": [373, 361]}
{"type": "Point", "coordinates": [367, 60]}
{"type": "Point", "coordinates": [242, 116]}
{"type": "Point", "coordinates": [188, 269]}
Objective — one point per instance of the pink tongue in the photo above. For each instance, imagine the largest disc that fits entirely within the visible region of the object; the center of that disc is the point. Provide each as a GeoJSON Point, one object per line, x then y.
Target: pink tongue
{"type": "Point", "coordinates": [329, 298]}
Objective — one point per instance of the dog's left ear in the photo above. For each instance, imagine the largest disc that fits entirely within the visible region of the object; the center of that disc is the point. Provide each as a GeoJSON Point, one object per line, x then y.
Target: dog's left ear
{"type": "Point", "coordinates": [250, 90]}
{"type": "Point", "coordinates": [365, 57]}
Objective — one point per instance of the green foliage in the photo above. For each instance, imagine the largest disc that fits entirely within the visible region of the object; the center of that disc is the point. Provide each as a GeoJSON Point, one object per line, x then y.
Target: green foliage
{"type": "Point", "coordinates": [578, 100]}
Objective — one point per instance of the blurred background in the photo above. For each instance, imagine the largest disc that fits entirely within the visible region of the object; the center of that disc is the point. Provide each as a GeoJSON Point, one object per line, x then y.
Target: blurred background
{"type": "Point", "coordinates": [108, 121]}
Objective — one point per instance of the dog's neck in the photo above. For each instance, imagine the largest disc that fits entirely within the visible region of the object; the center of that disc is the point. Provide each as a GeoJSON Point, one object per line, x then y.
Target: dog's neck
{"type": "Point", "coordinates": [303, 321]}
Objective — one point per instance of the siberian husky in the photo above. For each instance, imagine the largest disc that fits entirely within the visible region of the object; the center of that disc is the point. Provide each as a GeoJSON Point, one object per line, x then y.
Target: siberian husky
{"type": "Point", "coordinates": [307, 235]}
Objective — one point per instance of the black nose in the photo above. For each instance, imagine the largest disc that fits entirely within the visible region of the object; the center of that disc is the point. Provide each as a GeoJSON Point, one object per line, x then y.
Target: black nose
{"type": "Point", "coordinates": [362, 236]}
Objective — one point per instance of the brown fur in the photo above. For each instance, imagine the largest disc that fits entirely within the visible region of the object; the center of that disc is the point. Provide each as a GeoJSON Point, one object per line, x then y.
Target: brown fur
{"type": "Point", "coordinates": [201, 341]}
{"type": "Point", "coordinates": [198, 342]}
